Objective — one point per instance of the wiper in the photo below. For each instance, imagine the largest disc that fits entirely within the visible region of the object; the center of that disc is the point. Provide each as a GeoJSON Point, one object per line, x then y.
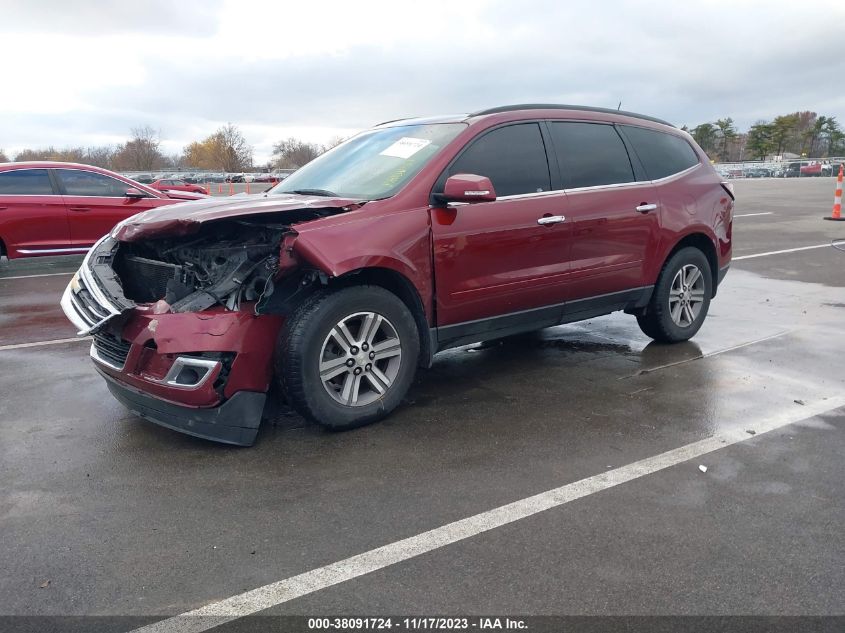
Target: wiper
{"type": "Point", "coordinates": [314, 192]}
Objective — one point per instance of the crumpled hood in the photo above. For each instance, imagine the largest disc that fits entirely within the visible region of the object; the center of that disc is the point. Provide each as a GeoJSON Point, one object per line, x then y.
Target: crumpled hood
{"type": "Point", "coordinates": [186, 218]}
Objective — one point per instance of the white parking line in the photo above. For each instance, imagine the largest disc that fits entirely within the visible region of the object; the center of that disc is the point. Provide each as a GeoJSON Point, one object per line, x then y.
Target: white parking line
{"type": "Point", "coordinates": [787, 250]}
{"type": "Point", "coordinates": [751, 215]}
{"type": "Point", "coordinates": [33, 276]}
{"type": "Point", "coordinates": [57, 341]}
{"type": "Point", "coordinates": [262, 598]}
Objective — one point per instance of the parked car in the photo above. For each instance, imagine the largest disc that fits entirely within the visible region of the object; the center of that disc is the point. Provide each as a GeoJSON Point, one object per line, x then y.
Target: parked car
{"type": "Point", "coordinates": [793, 170]}
{"type": "Point", "coordinates": [811, 168]}
{"type": "Point", "coordinates": [173, 184]}
{"type": "Point", "coordinates": [831, 168]}
{"type": "Point", "coordinates": [758, 172]}
{"type": "Point", "coordinates": [412, 237]}
{"type": "Point", "coordinates": [52, 208]}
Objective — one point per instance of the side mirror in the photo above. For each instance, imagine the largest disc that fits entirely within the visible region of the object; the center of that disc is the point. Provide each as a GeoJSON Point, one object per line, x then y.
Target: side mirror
{"type": "Point", "coordinates": [132, 192]}
{"type": "Point", "coordinates": [467, 188]}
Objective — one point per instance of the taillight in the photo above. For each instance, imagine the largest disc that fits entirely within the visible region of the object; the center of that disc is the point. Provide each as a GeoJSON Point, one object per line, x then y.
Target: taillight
{"type": "Point", "coordinates": [729, 188]}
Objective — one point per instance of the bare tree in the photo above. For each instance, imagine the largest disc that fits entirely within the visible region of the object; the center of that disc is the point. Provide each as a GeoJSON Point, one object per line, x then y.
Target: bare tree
{"type": "Point", "coordinates": [334, 142]}
{"type": "Point", "coordinates": [67, 155]}
{"type": "Point", "coordinates": [3, 157]}
{"type": "Point", "coordinates": [235, 153]}
{"type": "Point", "coordinates": [141, 152]}
{"type": "Point", "coordinates": [99, 156]}
{"type": "Point", "coordinates": [293, 153]}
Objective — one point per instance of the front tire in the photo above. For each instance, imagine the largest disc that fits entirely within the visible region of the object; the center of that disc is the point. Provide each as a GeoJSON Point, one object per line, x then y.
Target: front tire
{"type": "Point", "coordinates": [347, 357]}
{"type": "Point", "coordinates": [681, 298]}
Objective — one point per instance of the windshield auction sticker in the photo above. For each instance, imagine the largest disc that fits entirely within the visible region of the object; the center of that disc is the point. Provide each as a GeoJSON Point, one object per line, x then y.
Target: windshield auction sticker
{"type": "Point", "coordinates": [406, 147]}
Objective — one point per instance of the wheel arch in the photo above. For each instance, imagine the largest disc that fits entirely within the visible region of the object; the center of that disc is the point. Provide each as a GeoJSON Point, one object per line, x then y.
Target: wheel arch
{"type": "Point", "coordinates": [705, 244]}
{"type": "Point", "coordinates": [398, 284]}
{"type": "Point", "coordinates": [3, 250]}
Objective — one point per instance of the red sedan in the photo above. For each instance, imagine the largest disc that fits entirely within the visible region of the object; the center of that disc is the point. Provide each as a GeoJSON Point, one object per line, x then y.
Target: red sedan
{"type": "Point", "coordinates": [52, 208]}
{"type": "Point", "coordinates": [173, 184]}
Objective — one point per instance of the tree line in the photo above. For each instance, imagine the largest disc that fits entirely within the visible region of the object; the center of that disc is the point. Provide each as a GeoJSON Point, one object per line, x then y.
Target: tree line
{"type": "Point", "coordinates": [225, 150]}
{"type": "Point", "coordinates": [800, 133]}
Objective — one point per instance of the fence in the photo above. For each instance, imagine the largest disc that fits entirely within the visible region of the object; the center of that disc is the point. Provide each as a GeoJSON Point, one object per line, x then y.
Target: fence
{"type": "Point", "coordinates": [789, 168]}
{"type": "Point", "coordinates": [206, 176]}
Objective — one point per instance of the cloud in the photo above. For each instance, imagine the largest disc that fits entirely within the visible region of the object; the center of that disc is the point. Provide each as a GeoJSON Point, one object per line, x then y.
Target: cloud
{"type": "Point", "coordinates": [323, 68]}
{"type": "Point", "coordinates": [95, 17]}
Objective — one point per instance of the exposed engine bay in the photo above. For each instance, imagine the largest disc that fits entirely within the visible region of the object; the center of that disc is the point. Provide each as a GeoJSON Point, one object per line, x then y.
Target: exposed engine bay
{"type": "Point", "coordinates": [226, 262]}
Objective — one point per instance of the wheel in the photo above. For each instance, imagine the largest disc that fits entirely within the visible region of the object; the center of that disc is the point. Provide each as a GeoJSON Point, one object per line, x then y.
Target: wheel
{"type": "Point", "coordinates": [346, 358]}
{"type": "Point", "coordinates": [681, 298]}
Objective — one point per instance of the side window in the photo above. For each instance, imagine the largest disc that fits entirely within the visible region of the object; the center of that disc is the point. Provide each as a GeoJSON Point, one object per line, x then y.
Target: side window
{"type": "Point", "coordinates": [590, 154]}
{"type": "Point", "coordinates": [661, 154]}
{"type": "Point", "coordinates": [512, 157]}
{"type": "Point", "coordinates": [88, 183]}
{"type": "Point", "coordinates": [25, 182]}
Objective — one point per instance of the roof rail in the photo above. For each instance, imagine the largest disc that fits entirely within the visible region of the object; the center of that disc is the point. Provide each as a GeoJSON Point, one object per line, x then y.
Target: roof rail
{"type": "Point", "coordinates": [559, 106]}
{"type": "Point", "coordinates": [393, 121]}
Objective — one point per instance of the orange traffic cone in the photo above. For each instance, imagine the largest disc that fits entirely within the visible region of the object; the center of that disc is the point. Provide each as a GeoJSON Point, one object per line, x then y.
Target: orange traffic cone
{"type": "Point", "coordinates": [837, 198]}
{"type": "Point", "coordinates": [219, 187]}
{"type": "Point", "coordinates": [247, 187]}
{"type": "Point", "coordinates": [231, 188]}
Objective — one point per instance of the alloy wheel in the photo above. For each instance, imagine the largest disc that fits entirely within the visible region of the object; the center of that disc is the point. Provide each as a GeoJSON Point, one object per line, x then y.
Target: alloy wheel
{"type": "Point", "coordinates": [686, 296]}
{"type": "Point", "coordinates": [360, 359]}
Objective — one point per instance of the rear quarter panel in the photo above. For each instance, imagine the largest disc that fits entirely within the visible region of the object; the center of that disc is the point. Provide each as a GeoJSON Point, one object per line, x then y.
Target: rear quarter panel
{"type": "Point", "coordinates": [693, 202]}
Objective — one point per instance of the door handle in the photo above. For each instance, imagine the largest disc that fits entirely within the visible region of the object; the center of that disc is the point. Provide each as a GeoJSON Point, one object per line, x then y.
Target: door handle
{"type": "Point", "coordinates": [551, 219]}
{"type": "Point", "coordinates": [645, 208]}
{"type": "Point", "coordinates": [80, 208]}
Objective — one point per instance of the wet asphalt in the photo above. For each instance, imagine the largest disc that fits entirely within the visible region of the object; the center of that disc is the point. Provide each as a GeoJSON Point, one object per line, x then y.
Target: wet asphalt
{"type": "Point", "coordinates": [125, 518]}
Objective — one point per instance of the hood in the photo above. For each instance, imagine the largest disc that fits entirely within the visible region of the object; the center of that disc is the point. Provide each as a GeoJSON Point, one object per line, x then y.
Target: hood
{"type": "Point", "coordinates": [185, 219]}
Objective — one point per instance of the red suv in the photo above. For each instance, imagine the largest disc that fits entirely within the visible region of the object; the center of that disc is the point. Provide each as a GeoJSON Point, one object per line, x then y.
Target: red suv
{"type": "Point", "coordinates": [412, 237]}
{"type": "Point", "coordinates": [52, 208]}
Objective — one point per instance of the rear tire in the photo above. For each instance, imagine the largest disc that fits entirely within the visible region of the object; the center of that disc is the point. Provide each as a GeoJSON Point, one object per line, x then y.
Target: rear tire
{"type": "Point", "coordinates": [346, 358]}
{"type": "Point", "coordinates": [681, 298]}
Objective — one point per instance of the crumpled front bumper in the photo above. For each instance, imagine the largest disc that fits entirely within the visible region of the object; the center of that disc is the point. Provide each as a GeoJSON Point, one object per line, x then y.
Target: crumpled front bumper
{"type": "Point", "coordinates": [233, 352]}
{"type": "Point", "coordinates": [203, 373]}
{"type": "Point", "coordinates": [236, 421]}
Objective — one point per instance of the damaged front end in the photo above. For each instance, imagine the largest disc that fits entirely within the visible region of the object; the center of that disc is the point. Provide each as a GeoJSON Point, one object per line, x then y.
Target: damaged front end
{"type": "Point", "coordinates": [182, 320]}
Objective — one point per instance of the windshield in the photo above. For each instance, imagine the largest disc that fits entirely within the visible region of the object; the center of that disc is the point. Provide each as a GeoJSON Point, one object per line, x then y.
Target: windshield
{"type": "Point", "coordinates": [375, 164]}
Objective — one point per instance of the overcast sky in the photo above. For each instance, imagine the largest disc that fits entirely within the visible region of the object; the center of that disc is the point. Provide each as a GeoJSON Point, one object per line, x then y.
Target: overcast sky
{"type": "Point", "coordinates": [81, 72]}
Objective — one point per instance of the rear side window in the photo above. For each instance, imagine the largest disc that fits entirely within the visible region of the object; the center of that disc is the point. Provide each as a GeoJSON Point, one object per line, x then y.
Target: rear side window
{"type": "Point", "coordinates": [590, 154]}
{"type": "Point", "coordinates": [512, 157]}
{"type": "Point", "coordinates": [89, 183]}
{"type": "Point", "coordinates": [661, 154]}
{"type": "Point", "coordinates": [25, 182]}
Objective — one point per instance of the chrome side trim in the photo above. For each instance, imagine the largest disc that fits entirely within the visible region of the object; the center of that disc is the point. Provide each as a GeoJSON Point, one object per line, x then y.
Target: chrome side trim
{"type": "Point", "coordinates": [41, 251]}
{"type": "Point", "coordinates": [674, 176]}
{"type": "Point", "coordinates": [535, 194]}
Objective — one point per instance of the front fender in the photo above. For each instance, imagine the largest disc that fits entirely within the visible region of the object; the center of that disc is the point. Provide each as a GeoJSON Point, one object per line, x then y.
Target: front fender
{"type": "Point", "coordinates": [397, 241]}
